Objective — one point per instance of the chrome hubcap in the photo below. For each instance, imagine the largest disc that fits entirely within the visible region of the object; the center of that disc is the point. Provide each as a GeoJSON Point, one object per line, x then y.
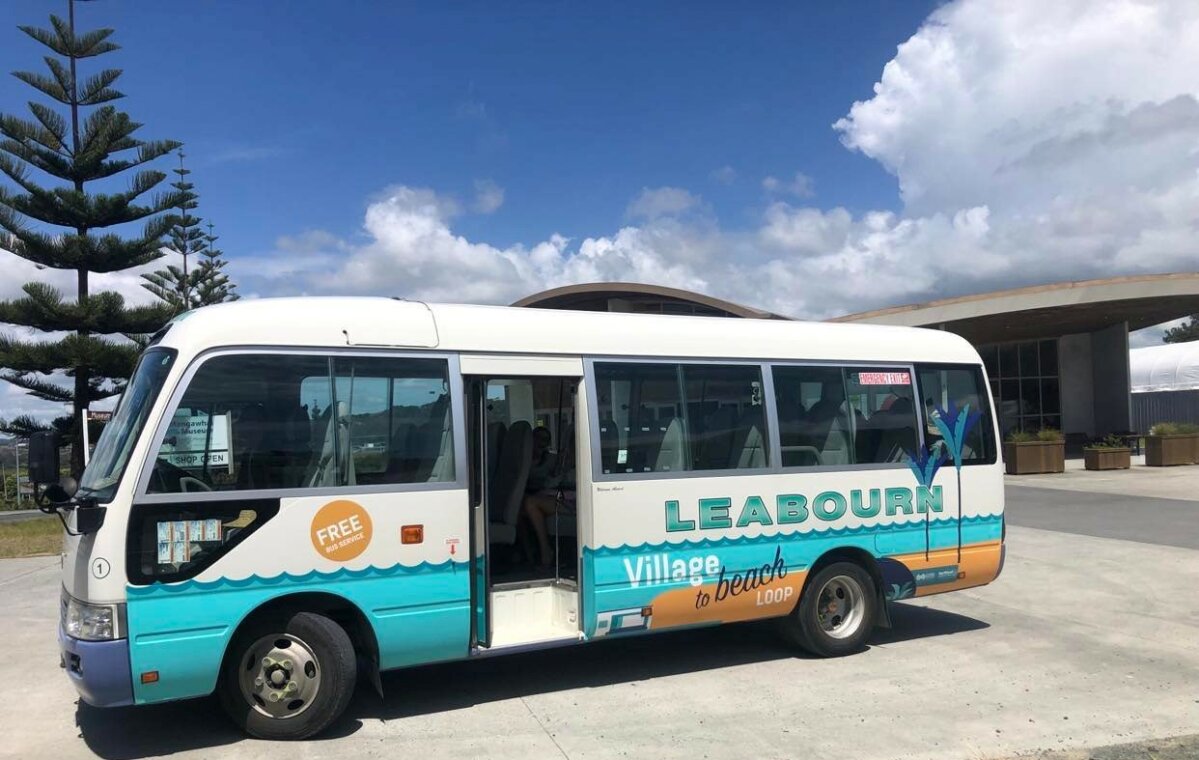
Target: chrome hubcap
{"type": "Point", "coordinates": [840, 606]}
{"type": "Point", "coordinates": [280, 676]}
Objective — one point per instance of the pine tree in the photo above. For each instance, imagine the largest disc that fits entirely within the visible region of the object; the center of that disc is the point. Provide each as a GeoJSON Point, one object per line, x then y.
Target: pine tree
{"type": "Point", "coordinates": [1184, 333]}
{"type": "Point", "coordinates": [176, 284]}
{"type": "Point", "coordinates": [92, 143]}
{"type": "Point", "coordinates": [212, 284]}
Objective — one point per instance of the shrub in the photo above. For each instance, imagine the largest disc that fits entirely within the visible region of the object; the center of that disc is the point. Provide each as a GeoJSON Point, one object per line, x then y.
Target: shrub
{"type": "Point", "coordinates": [1049, 434]}
{"type": "Point", "coordinates": [1174, 428]}
{"type": "Point", "coordinates": [1020, 436]}
{"type": "Point", "coordinates": [1108, 442]}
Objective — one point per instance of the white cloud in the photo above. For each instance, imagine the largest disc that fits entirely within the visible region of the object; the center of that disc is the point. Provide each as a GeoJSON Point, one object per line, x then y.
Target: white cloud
{"type": "Point", "coordinates": [488, 196]}
{"type": "Point", "coordinates": [725, 175]}
{"type": "Point", "coordinates": [801, 186]}
{"type": "Point", "coordinates": [1032, 142]}
{"type": "Point", "coordinates": [654, 203]}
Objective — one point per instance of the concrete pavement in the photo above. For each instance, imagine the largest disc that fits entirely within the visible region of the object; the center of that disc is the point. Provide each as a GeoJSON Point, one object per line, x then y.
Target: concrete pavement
{"type": "Point", "coordinates": [1154, 482]}
{"type": "Point", "coordinates": [1084, 641]}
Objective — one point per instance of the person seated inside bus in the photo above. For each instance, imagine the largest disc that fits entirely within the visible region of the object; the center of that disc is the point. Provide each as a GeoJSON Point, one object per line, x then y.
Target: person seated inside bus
{"type": "Point", "coordinates": [547, 481]}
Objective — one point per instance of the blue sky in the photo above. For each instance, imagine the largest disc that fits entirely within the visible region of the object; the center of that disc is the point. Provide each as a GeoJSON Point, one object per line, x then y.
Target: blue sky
{"type": "Point", "coordinates": [294, 114]}
{"type": "Point", "coordinates": [812, 159]}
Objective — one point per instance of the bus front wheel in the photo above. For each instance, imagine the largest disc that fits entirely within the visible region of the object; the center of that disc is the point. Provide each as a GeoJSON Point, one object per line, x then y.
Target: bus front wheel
{"type": "Point", "coordinates": [288, 676]}
{"type": "Point", "coordinates": [836, 613]}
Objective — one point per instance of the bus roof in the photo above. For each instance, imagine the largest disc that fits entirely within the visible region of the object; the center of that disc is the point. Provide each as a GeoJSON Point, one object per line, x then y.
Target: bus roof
{"type": "Point", "coordinates": [365, 322]}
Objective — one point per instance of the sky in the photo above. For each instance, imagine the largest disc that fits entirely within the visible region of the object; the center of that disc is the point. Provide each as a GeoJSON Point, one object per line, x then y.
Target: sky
{"type": "Point", "coordinates": [812, 159]}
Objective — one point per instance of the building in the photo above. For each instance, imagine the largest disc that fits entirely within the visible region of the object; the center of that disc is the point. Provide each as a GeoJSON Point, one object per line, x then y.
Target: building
{"type": "Point", "coordinates": [1057, 354]}
{"type": "Point", "coordinates": [1165, 384]}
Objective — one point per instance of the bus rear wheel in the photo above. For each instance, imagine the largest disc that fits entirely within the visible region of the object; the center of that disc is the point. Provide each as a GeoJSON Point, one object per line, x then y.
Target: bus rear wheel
{"type": "Point", "coordinates": [836, 613]}
{"type": "Point", "coordinates": [288, 676]}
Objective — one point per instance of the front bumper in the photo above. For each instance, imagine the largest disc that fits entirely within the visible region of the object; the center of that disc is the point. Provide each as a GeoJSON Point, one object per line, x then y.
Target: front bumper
{"type": "Point", "coordinates": [98, 669]}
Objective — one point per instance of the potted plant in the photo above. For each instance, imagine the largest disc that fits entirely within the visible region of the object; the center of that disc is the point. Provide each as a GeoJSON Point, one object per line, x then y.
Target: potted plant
{"type": "Point", "coordinates": [1111, 453]}
{"type": "Point", "coordinates": [1027, 453]}
{"type": "Point", "coordinates": [1171, 443]}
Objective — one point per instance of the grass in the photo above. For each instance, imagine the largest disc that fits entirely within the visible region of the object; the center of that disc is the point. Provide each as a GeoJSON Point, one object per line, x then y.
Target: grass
{"type": "Point", "coordinates": [29, 538]}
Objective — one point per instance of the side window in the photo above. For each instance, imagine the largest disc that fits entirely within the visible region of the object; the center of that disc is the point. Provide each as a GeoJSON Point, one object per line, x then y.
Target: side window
{"type": "Point", "coordinates": [397, 419]}
{"type": "Point", "coordinates": [680, 417]}
{"type": "Point", "coordinates": [171, 542]}
{"type": "Point", "coordinates": [640, 418]}
{"type": "Point", "coordinates": [947, 393]}
{"type": "Point", "coordinates": [815, 425]}
{"type": "Point", "coordinates": [244, 424]}
{"type": "Point", "coordinates": [255, 422]}
{"type": "Point", "coordinates": [881, 400]}
{"type": "Point", "coordinates": [726, 425]}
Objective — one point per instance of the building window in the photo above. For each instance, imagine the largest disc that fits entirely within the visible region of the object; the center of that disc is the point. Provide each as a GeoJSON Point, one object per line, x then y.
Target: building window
{"type": "Point", "coordinates": [1024, 381]}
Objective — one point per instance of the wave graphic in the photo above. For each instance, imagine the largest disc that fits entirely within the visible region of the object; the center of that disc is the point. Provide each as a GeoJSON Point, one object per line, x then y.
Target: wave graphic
{"type": "Point", "coordinates": [285, 578]}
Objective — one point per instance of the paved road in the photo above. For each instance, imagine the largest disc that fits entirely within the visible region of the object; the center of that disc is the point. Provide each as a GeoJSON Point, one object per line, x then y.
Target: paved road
{"type": "Point", "coordinates": [1170, 522]}
{"type": "Point", "coordinates": [1083, 642]}
{"type": "Point", "coordinates": [19, 515]}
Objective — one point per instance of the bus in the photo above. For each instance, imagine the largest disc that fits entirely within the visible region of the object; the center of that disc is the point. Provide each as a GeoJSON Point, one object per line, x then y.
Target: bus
{"type": "Point", "coordinates": [297, 494]}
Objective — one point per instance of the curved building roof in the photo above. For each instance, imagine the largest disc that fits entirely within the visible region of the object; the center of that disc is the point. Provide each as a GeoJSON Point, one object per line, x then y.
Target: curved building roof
{"type": "Point", "coordinates": [1044, 311]}
{"type": "Point", "coordinates": [639, 298]}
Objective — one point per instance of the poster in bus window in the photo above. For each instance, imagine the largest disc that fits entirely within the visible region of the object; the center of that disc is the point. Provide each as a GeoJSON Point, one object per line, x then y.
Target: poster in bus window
{"type": "Point", "coordinates": [212, 530]}
{"type": "Point", "coordinates": [196, 440]}
{"type": "Point", "coordinates": [195, 530]}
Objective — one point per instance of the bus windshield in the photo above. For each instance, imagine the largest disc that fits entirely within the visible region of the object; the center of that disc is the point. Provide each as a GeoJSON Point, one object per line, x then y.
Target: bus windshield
{"type": "Point", "coordinates": [112, 452]}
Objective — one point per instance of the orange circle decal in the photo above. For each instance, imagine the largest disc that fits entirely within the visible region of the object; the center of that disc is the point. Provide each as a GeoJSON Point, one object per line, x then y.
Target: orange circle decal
{"type": "Point", "coordinates": [341, 530]}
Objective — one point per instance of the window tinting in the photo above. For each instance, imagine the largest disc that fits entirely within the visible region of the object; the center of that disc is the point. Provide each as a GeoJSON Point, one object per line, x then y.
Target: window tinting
{"type": "Point", "coordinates": [678, 417]}
{"type": "Point", "coordinates": [946, 389]}
{"type": "Point", "coordinates": [831, 416]}
{"type": "Point", "coordinates": [813, 417]}
{"type": "Point", "coordinates": [252, 422]}
{"type": "Point", "coordinates": [884, 414]}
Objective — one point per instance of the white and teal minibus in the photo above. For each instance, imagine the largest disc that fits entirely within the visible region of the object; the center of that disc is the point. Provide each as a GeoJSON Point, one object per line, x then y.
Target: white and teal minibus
{"type": "Point", "coordinates": [296, 494]}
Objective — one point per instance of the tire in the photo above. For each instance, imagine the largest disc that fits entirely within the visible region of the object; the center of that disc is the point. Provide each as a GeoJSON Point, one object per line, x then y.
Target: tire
{"type": "Point", "coordinates": [839, 584]}
{"type": "Point", "coordinates": [307, 684]}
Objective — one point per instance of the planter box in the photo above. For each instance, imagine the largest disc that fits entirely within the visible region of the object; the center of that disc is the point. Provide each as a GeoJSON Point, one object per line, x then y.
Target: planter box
{"type": "Point", "coordinates": [1170, 450]}
{"type": "Point", "coordinates": [1107, 459]}
{"type": "Point", "coordinates": [1031, 457]}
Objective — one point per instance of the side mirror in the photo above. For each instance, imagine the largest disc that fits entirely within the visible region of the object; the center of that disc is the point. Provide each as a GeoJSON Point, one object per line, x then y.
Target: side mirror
{"type": "Point", "coordinates": [62, 491]}
{"type": "Point", "coordinates": [43, 458]}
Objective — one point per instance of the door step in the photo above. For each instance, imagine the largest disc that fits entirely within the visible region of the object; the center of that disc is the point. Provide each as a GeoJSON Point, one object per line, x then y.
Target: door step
{"type": "Point", "coordinates": [534, 616]}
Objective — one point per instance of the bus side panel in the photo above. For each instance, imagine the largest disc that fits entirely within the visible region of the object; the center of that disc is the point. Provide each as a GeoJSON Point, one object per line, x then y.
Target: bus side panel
{"type": "Point", "coordinates": [416, 597]}
{"type": "Point", "coordinates": [708, 550]}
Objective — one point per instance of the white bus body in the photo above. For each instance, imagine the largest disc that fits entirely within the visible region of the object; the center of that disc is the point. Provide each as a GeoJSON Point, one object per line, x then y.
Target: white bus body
{"type": "Point", "coordinates": [215, 530]}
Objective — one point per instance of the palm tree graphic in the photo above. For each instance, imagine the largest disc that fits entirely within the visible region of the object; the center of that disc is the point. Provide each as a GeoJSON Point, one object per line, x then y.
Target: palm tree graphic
{"type": "Point", "coordinates": [955, 424]}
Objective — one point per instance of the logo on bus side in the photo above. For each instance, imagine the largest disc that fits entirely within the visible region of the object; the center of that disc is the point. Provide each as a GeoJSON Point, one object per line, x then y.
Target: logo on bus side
{"type": "Point", "coordinates": [341, 530]}
{"type": "Point", "coordinates": [789, 509]}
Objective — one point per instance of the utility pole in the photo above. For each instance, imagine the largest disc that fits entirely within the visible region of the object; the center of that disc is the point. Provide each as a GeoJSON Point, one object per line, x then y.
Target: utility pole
{"type": "Point", "coordinates": [16, 447]}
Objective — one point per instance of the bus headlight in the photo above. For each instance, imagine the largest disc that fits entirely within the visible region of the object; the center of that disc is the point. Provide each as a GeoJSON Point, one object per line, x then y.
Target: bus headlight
{"type": "Point", "coordinates": [92, 622]}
